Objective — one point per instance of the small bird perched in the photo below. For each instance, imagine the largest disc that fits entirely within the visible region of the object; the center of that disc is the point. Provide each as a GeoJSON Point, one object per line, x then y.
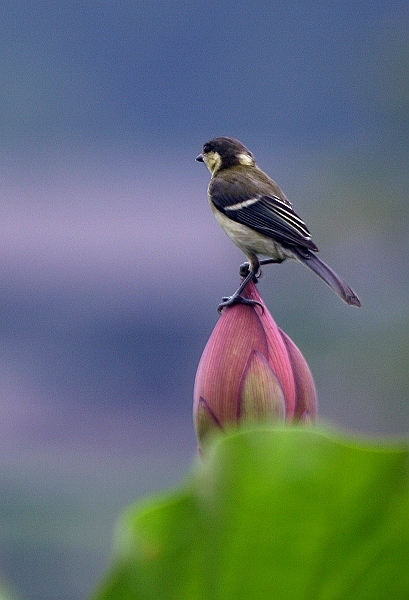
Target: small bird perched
{"type": "Point", "coordinates": [259, 219]}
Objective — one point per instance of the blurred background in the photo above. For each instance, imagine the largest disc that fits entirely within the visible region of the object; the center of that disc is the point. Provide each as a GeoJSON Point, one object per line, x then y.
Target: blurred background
{"type": "Point", "coordinates": [112, 265]}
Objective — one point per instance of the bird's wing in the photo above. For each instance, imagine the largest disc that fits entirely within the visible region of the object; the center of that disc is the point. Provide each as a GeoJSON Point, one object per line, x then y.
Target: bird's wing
{"type": "Point", "coordinates": [267, 214]}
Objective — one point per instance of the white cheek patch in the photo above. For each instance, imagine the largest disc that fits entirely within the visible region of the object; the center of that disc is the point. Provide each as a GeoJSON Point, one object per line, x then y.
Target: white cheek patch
{"type": "Point", "coordinates": [245, 160]}
{"type": "Point", "coordinates": [243, 204]}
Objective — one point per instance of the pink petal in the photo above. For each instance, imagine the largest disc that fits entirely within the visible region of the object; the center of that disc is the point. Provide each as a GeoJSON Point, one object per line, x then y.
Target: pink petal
{"type": "Point", "coordinates": [306, 394]}
{"type": "Point", "coordinates": [237, 333]}
{"type": "Point", "coordinates": [261, 397]}
{"type": "Point", "coordinates": [277, 351]}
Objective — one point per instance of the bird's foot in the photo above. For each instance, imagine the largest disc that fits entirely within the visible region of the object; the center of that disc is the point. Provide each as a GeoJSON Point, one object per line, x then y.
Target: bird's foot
{"type": "Point", "coordinates": [237, 299]}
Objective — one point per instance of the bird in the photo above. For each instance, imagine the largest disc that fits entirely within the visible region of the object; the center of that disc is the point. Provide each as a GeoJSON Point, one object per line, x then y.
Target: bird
{"type": "Point", "coordinates": [259, 219]}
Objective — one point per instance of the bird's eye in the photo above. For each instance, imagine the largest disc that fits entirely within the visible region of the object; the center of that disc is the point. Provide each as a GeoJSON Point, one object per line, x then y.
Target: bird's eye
{"type": "Point", "coordinates": [206, 148]}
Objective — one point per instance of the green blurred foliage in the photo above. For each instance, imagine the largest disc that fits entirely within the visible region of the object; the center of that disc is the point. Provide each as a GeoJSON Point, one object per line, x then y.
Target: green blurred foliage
{"type": "Point", "coordinates": [6, 594]}
{"type": "Point", "coordinates": [285, 513]}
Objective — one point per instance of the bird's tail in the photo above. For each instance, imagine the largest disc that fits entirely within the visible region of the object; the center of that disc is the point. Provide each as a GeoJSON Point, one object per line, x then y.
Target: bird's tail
{"type": "Point", "coordinates": [330, 277]}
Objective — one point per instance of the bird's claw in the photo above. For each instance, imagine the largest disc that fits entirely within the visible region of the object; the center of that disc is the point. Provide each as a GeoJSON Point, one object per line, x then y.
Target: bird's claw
{"type": "Point", "coordinates": [231, 300]}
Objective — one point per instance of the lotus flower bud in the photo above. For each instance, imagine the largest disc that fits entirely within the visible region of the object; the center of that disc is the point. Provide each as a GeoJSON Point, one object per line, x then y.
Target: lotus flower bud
{"type": "Point", "coordinates": [251, 372]}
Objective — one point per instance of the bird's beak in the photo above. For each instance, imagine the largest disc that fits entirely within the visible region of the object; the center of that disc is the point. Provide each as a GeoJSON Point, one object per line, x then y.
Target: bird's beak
{"type": "Point", "coordinates": [199, 158]}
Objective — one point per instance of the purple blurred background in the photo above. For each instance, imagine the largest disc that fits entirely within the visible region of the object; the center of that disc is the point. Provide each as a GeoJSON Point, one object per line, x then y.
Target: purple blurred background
{"type": "Point", "coordinates": [112, 265]}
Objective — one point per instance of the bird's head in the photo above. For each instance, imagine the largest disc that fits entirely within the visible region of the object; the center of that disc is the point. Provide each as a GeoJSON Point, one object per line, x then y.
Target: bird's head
{"type": "Point", "coordinates": [223, 152]}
